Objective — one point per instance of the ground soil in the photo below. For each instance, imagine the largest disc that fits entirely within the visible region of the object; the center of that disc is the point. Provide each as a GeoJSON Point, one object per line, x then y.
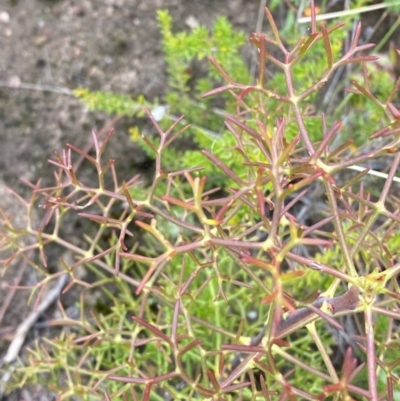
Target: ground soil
{"type": "Point", "coordinates": [110, 45]}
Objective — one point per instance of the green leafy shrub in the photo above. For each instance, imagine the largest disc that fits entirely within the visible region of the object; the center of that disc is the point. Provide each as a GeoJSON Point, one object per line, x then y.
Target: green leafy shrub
{"type": "Point", "coordinates": [226, 295]}
{"type": "Point", "coordinates": [184, 89]}
{"type": "Point", "coordinates": [183, 52]}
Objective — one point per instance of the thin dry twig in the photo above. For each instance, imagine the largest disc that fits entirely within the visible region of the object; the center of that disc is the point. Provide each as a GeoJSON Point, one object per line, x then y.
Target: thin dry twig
{"type": "Point", "coordinates": [42, 88]}
{"type": "Point", "coordinates": [346, 13]}
{"type": "Point", "coordinates": [24, 327]}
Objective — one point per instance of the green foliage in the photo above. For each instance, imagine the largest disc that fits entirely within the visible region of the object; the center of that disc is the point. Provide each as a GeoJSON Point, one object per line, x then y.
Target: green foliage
{"type": "Point", "coordinates": [184, 53]}
{"type": "Point", "coordinates": [112, 103]}
{"type": "Point", "coordinates": [188, 278]}
{"type": "Point", "coordinates": [393, 6]}
{"type": "Point", "coordinates": [185, 56]}
{"type": "Point", "coordinates": [181, 49]}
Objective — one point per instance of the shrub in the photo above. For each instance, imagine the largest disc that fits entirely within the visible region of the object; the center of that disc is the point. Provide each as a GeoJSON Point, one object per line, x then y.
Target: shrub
{"type": "Point", "coordinates": [228, 294]}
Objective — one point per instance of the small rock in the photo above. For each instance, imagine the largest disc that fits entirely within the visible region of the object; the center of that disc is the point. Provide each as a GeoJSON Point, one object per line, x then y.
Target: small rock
{"type": "Point", "coordinates": [4, 17]}
{"type": "Point", "coordinates": [14, 82]}
{"type": "Point", "coordinates": [40, 40]}
{"type": "Point", "coordinates": [192, 22]}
